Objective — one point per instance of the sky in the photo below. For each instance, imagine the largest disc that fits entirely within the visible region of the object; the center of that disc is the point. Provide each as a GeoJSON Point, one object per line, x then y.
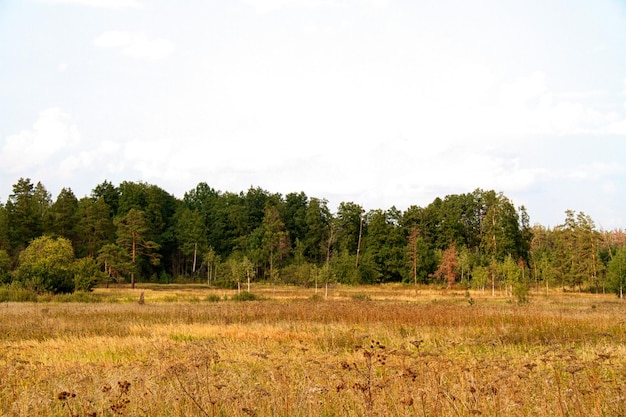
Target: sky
{"type": "Point", "coordinates": [378, 102]}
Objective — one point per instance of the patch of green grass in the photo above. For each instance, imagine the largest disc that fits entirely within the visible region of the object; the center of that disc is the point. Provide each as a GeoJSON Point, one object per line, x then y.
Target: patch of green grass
{"type": "Point", "coordinates": [17, 294]}
{"type": "Point", "coordinates": [77, 297]}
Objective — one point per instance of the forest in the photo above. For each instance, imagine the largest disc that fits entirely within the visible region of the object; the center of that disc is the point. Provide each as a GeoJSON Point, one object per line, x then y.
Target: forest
{"type": "Point", "coordinates": [138, 232]}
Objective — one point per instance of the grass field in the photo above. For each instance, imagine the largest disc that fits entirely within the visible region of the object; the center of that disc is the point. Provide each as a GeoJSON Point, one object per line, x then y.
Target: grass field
{"type": "Point", "coordinates": [361, 351]}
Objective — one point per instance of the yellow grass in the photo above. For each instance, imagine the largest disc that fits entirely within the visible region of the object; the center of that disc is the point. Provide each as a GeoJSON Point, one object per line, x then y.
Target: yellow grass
{"type": "Point", "coordinates": [363, 351]}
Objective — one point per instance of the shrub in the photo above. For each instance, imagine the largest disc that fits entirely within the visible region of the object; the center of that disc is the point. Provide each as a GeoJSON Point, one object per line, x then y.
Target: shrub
{"type": "Point", "coordinates": [212, 298]}
{"type": "Point", "coordinates": [245, 296]}
{"type": "Point", "coordinates": [46, 265]}
{"type": "Point", "coordinates": [86, 274]}
{"type": "Point", "coordinates": [361, 297]}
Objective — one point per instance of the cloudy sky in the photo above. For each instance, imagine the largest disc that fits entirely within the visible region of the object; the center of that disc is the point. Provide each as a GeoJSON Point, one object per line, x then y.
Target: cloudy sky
{"type": "Point", "coordinates": [378, 102]}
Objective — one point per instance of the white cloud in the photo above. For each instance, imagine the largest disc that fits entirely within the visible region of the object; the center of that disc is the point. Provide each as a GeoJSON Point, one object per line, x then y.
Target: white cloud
{"type": "Point", "coordinates": [53, 132]}
{"type": "Point", "coordinates": [264, 6]}
{"type": "Point", "coordinates": [617, 128]}
{"type": "Point", "coordinates": [103, 4]}
{"type": "Point", "coordinates": [135, 45]}
{"type": "Point", "coordinates": [113, 39]}
{"type": "Point", "coordinates": [153, 49]}
{"type": "Point", "coordinates": [523, 89]}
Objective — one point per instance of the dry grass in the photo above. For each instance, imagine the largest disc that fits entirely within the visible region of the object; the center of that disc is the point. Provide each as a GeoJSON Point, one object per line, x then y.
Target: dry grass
{"type": "Point", "coordinates": [377, 351]}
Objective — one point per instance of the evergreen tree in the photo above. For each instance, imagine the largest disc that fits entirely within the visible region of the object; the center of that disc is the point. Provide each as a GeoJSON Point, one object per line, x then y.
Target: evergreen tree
{"type": "Point", "coordinates": [132, 232]}
{"type": "Point", "coordinates": [61, 219]}
{"type": "Point", "coordinates": [94, 228]}
{"type": "Point", "coordinates": [318, 226]}
{"type": "Point", "coordinates": [617, 272]}
{"type": "Point", "coordinates": [23, 213]}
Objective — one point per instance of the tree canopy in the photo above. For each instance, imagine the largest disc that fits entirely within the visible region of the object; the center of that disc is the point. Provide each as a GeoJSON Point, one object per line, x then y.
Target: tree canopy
{"type": "Point", "coordinates": [138, 231]}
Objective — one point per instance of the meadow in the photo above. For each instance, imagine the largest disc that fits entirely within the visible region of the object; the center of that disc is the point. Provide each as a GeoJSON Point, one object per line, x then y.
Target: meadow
{"type": "Point", "coordinates": [357, 351]}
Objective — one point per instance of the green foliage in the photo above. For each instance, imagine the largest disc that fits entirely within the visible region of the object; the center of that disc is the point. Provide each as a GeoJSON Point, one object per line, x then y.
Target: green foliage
{"type": "Point", "coordinates": [521, 291]}
{"type": "Point", "coordinates": [480, 277]}
{"type": "Point", "coordinates": [139, 231]}
{"type": "Point", "coordinates": [617, 272]}
{"type": "Point", "coordinates": [76, 297]}
{"type": "Point", "coordinates": [245, 296]}
{"type": "Point", "coordinates": [212, 298]}
{"type": "Point", "coordinates": [46, 265]}
{"type": "Point", "coordinates": [94, 228]}
{"type": "Point", "coordinates": [87, 273]}
{"type": "Point", "coordinates": [5, 265]}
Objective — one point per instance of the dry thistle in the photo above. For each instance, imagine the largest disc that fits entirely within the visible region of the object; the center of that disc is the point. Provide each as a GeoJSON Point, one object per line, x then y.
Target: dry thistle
{"type": "Point", "coordinates": [64, 397]}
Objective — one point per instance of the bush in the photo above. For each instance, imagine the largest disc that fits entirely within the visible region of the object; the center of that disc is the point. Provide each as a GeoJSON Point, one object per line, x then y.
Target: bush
{"type": "Point", "coordinates": [86, 274]}
{"type": "Point", "coordinates": [212, 298]}
{"type": "Point", "coordinates": [361, 297]}
{"type": "Point", "coordinates": [46, 265]}
{"type": "Point", "coordinates": [245, 296]}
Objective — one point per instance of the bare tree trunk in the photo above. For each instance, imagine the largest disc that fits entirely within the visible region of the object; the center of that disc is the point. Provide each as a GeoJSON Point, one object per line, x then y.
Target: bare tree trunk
{"type": "Point", "coordinates": [134, 256]}
{"type": "Point", "coordinates": [195, 254]}
{"type": "Point", "coordinates": [358, 245]}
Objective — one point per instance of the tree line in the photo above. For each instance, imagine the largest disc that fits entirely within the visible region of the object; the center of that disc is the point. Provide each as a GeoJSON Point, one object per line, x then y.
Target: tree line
{"type": "Point", "coordinates": [137, 231]}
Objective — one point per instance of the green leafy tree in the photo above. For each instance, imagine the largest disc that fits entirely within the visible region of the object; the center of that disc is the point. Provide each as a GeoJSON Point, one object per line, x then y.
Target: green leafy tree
{"type": "Point", "coordinates": [87, 273]}
{"type": "Point", "coordinates": [318, 225]}
{"type": "Point", "coordinates": [132, 230]}
{"type": "Point", "coordinates": [191, 235]}
{"type": "Point", "coordinates": [275, 238]}
{"type": "Point", "coordinates": [513, 280]}
{"type": "Point", "coordinates": [294, 215]}
{"type": "Point", "coordinates": [480, 277]}
{"type": "Point", "coordinates": [349, 217]}
{"type": "Point", "coordinates": [500, 230]}
{"type": "Point", "coordinates": [385, 243]}
{"type": "Point", "coordinates": [247, 267]}
{"type": "Point", "coordinates": [212, 260]}
{"type": "Point", "coordinates": [46, 265]}
{"type": "Point", "coordinates": [214, 209]}
{"type": "Point", "coordinates": [617, 272]}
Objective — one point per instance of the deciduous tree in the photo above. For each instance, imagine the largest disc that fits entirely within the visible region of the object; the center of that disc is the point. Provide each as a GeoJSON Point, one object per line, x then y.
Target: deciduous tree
{"type": "Point", "coordinates": [46, 265]}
